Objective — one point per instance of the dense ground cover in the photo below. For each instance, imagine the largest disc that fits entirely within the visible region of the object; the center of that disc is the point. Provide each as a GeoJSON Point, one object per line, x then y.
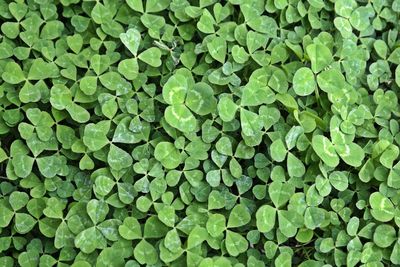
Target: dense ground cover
{"type": "Point", "coordinates": [199, 133]}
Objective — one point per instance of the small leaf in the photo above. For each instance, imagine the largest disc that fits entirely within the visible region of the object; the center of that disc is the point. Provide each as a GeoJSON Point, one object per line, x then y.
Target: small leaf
{"type": "Point", "coordinates": [239, 216]}
{"type": "Point", "coordinates": [131, 39]}
{"type": "Point", "coordinates": [320, 56]}
{"type": "Point", "coordinates": [118, 158]}
{"type": "Point", "coordinates": [167, 154]}
{"type": "Point", "coordinates": [181, 118]}
{"type": "Point", "coordinates": [304, 82]}
{"type": "Point", "coordinates": [265, 218]}
{"type": "Point", "coordinates": [325, 150]}
{"type": "Point", "coordinates": [151, 56]}
{"type": "Point", "coordinates": [217, 49]}
{"type": "Point", "coordinates": [235, 243]}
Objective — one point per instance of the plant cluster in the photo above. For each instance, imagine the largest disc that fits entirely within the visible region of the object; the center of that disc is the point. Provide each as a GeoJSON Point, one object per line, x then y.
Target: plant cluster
{"type": "Point", "coordinates": [199, 133]}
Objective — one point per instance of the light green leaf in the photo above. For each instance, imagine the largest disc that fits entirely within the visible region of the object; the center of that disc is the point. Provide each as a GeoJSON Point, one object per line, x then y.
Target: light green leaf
{"type": "Point", "coordinates": [118, 158]}
{"type": "Point", "coordinates": [95, 135]}
{"type": "Point", "coordinates": [382, 208]}
{"type": "Point", "coordinates": [89, 240]}
{"type": "Point", "coordinates": [22, 165]}
{"type": "Point", "coordinates": [278, 150]}
{"type": "Point", "coordinates": [320, 56]}
{"type": "Point", "coordinates": [265, 218]}
{"type": "Point", "coordinates": [24, 223]}
{"type": "Point", "coordinates": [235, 243]}
{"type": "Point", "coordinates": [295, 166]}
{"type": "Point", "coordinates": [200, 99]}
{"type": "Point", "coordinates": [175, 89]}
{"type": "Point", "coordinates": [145, 253]}
{"type": "Point", "coordinates": [216, 224]}
{"type": "Point", "coordinates": [13, 73]}
{"type": "Point", "coordinates": [168, 155]}
{"type": "Point", "coordinates": [217, 49]}
{"type": "Point", "coordinates": [304, 82]}
{"type": "Point", "coordinates": [227, 108]}
{"type": "Point", "coordinates": [351, 153]}
{"type": "Point", "coordinates": [251, 122]}
{"type": "Point", "coordinates": [131, 39]}
{"type": "Point", "coordinates": [151, 56]}
{"type": "Point", "coordinates": [254, 94]}
{"type": "Point", "coordinates": [181, 118]}
{"type": "Point", "coordinates": [130, 229]}
{"type": "Point", "coordinates": [238, 216]}
{"type": "Point", "coordinates": [97, 210]}
{"type": "Point", "coordinates": [325, 150]}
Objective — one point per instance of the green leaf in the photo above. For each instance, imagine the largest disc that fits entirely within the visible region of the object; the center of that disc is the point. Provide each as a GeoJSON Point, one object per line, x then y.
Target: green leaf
{"type": "Point", "coordinates": [167, 216]}
{"type": "Point", "coordinates": [206, 22]}
{"type": "Point", "coordinates": [13, 73]}
{"type": "Point", "coordinates": [295, 166]}
{"type": "Point", "coordinates": [97, 210]}
{"type": "Point", "coordinates": [280, 192]}
{"type": "Point", "coordinates": [89, 240]}
{"type": "Point", "coordinates": [325, 150]}
{"type": "Point", "coordinates": [384, 235]}
{"type": "Point", "coordinates": [6, 215]}
{"type": "Point", "coordinates": [238, 216]}
{"type": "Point", "coordinates": [129, 68]}
{"type": "Point", "coordinates": [216, 224]}
{"type": "Point", "coordinates": [88, 85]}
{"type": "Point", "coordinates": [304, 82]}
{"type": "Point", "coordinates": [172, 241]}
{"type": "Point", "coordinates": [264, 24]}
{"type": "Point", "coordinates": [181, 118]}
{"type": "Point", "coordinates": [175, 89]}
{"type": "Point", "coordinates": [75, 42]}
{"type": "Point", "coordinates": [136, 5]}
{"type": "Point", "coordinates": [255, 94]}
{"type": "Point", "coordinates": [145, 253]}
{"type": "Point", "coordinates": [130, 229]}
{"type": "Point", "coordinates": [131, 39]}
{"type": "Point", "coordinates": [382, 208]}
{"type": "Point", "coordinates": [331, 81]}
{"type": "Point", "coordinates": [118, 158]}
{"type": "Point", "coordinates": [201, 99]}
{"type": "Point", "coordinates": [217, 49]}
{"type": "Point", "coordinates": [24, 223]}
{"type": "Point", "coordinates": [197, 236]}
{"type": "Point", "coordinates": [54, 208]}
{"type": "Point", "coordinates": [265, 218]}
{"type": "Point", "coordinates": [49, 166]}
{"type": "Point", "coordinates": [320, 56]}
{"type": "Point", "coordinates": [314, 217]}
{"type": "Point", "coordinates": [251, 123]}
{"type": "Point", "coordinates": [227, 108]}
{"type": "Point", "coordinates": [60, 97]}
{"type": "Point", "coordinates": [239, 54]}
{"type": "Point", "coordinates": [351, 153]}
{"type": "Point", "coordinates": [278, 150]}
{"type": "Point", "coordinates": [235, 243]}
{"type": "Point", "coordinates": [42, 70]}
{"type": "Point", "coordinates": [95, 135]}
{"type": "Point", "coordinates": [78, 113]}
{"type": "Point", "coordinates": [18, 200]}
{"type": "Point", "coordinates": [156, 6]}
{"type": "Point", "coordinates": [289, 222]}
{"type": "Point", "coordinates": [168, 155]}
{"type": "Point", "coordinates": [339, 180]}
{"type": "Point", "coordinates": [22, 165]}
{"type": "Point", "coordinates": [151, 56]}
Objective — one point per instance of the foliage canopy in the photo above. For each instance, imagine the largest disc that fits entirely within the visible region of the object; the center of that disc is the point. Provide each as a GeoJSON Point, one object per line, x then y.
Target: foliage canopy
{"type": "Point", "coordinates": [199, 133]}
